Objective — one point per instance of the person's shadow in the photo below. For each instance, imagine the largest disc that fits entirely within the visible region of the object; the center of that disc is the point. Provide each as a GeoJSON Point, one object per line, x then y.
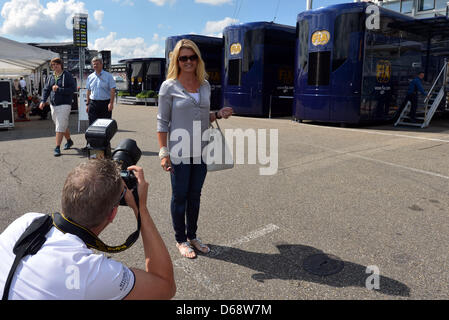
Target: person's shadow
{"type": "Point", "coordinates": [288, 265]}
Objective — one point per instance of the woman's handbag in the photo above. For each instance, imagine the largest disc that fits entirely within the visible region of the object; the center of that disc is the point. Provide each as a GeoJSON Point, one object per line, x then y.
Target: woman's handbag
{"type": "Point", "coordinates": [218, 155]}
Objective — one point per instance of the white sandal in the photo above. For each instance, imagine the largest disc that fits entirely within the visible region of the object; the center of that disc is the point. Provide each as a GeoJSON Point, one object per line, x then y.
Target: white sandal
{"type": "Point", "coordinates": [198, 245]}
{"type": "Point", "coordinates": [185, 249]}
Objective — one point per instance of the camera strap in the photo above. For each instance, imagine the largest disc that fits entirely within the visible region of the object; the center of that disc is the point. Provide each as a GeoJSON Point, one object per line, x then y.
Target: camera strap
{"type": "Point", "coordinates": [66, 225]}
{"type": "Point", "coordinates": [29, 243]}
{"type": "Point", "coordinates": [34, 238]}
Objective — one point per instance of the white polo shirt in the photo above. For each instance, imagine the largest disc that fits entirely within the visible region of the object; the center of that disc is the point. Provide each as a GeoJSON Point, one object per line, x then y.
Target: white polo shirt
{"type": "Point", "coordinates": [64, 268]}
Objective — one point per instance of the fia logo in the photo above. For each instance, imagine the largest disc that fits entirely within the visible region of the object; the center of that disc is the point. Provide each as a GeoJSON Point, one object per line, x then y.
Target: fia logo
{"type": "Point", "coordinates": [383, 71]}
{"type": "Point", "coordinates": [236, 48]}
{"type": "Point", "coordinates": [320, 37]}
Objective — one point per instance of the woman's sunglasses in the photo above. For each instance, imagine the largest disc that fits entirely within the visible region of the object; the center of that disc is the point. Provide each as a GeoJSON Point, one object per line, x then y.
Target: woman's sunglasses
{"type": "Point", "coordinates": [185, 58]}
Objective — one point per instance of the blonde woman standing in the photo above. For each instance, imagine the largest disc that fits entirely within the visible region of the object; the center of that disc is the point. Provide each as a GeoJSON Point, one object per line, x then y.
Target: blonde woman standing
{"type": "Point", "coordinates": [184, 108]}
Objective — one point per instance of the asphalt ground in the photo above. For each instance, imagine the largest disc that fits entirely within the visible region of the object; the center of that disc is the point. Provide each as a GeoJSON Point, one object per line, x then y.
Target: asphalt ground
{"type": "Point", "coordinates": [375, 198]}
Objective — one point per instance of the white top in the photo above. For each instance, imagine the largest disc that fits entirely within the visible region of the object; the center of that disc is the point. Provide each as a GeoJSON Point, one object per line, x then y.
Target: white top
{"type": "Point", "coordinates": [64, 268]}
{"type": "Point", "coordinates": [196, 96]}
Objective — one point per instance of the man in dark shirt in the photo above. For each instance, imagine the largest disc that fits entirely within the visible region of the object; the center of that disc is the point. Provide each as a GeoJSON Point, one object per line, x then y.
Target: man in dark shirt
{"type": "Point", "coordinates": [412, 95]}
{"type": "Point", "coordinates": [59, 88]}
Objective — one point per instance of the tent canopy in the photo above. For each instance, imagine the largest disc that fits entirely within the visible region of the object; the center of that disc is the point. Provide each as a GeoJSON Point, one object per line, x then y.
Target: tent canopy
{"type": "Point", "coordinates": [19, 59]}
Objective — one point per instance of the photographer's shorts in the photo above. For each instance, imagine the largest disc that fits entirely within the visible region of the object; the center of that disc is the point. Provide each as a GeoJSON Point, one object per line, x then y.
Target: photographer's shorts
{"type": "Point", "coordinates": [60, 115]}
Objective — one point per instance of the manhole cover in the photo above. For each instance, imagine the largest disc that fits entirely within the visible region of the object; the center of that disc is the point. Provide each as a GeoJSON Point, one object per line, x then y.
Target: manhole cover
{"type": "Point", "coordinates": [323, 264]}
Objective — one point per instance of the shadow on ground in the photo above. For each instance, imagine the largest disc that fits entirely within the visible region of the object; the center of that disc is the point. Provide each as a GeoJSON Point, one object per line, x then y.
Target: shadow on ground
{"type": "Point", "coordinates": [288, 265]}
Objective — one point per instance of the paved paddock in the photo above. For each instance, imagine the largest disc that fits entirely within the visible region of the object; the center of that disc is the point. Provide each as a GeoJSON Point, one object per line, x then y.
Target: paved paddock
{"type": "Point", "coordinates": [373, 196]}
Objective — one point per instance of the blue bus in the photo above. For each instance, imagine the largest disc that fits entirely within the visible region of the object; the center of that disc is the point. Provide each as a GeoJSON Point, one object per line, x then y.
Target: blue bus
{"type": "Point", "coordinates": [348, 71]}
{"type": "Point", "coordinates": [211, 49]}
{"type": "Point", "coordinates": [144, 74]}
{"type": "Point", "coordinates": [258, 68]}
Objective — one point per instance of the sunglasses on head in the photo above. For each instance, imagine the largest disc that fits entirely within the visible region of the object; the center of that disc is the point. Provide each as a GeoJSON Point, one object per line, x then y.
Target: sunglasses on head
{"type": "Point", "coordinates": [185, 58]}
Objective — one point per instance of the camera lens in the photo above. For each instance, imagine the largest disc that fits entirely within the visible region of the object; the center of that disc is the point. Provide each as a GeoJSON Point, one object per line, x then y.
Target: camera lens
{"type": "Point", "coordinates": [127, 153]}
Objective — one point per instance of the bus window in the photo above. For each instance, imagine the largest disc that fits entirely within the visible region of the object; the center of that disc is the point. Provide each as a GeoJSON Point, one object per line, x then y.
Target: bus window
{"type": "Point", "coordinates": [154, 68]}
{"type": "Point", "coordinates": [302, 29]}
{"type": "Point", "coordinates": [235, 72]}
{"type": "Point", "coordinates": [345, 24]}
{"type": "Point", "coordinates": [395, 6]}
{"type": "Point", "coordinates": [424, 5]}
{"type": "Point", "coordinates": [252, 39]}
{"type": "Point", "coordinates": [136, 76]}
{"type": "Point", "coordinates": [153, 77]}
{"type": "Point", "coordinates": [440, 4]}
{"type": "Point", "coordinates": [137, 72]}
{"type": "Point", "coordinates": [319, 68]}
{"type": "Point", "coordinates": [407, 6]}
{"type": "Point", "coordinates": [279, 51]}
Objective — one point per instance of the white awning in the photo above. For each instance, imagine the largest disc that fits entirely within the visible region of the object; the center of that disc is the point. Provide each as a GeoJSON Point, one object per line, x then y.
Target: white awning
{"type": "Point", "coordinates": [19, 59]}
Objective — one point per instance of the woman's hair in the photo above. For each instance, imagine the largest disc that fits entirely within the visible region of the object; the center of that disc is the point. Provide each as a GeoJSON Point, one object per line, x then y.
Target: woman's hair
{"type": "Point", "coordinates": [91, 191]}
{"type": "Point", "coordinates": [58, 61]}
{"type": "Point", "coordinates": [173, 68]}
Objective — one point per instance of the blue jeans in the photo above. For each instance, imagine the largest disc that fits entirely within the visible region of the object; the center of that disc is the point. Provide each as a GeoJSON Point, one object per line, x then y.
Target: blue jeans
{"type": "Point", "coordinates": [187, 181]}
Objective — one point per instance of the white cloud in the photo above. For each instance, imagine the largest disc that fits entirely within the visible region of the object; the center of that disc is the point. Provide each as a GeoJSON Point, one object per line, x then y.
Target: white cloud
{"type": "Point", "coordinates": [127, 48]}
{"type": "Point", "coordinates": [30, 18]}
{"type": "Point", "coordinates": [215, 28]}
{"type": "Point", "coordinates": [98, 16]}
{"type": "Point", "coordinates": [214, 2]}
{"type": "Point", "coordinates": [162, 2]}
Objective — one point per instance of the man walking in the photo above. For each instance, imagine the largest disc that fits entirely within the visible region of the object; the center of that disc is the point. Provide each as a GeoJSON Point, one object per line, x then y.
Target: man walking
{"type": "Point", "coordinates": [412, 95]}
{"type": "Point", "coordinates": [100, 92]}
{"type": "Point", "coordinates": [60, 87]}
{"type": "Point", "coordinates": [23, 83]}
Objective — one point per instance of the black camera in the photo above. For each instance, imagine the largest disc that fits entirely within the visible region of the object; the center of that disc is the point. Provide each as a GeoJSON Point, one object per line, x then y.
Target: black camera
{"type": "Point", "coordinates": [127, 153]}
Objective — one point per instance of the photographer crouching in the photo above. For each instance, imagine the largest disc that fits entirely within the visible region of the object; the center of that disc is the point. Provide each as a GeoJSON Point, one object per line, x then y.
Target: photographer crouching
{"type": "Point", "coordinates": [61, 265]}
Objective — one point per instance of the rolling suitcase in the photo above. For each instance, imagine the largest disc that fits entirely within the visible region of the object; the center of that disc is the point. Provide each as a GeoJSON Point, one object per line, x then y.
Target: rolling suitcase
{"type": "Point", "coordinates": [6, 105]}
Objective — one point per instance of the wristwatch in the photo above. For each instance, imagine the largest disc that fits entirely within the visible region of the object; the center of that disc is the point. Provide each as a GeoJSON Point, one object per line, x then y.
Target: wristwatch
{"type": "Point", "coordinates": [216, 115]}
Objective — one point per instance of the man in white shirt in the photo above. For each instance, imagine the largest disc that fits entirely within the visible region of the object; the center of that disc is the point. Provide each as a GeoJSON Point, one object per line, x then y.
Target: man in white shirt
{"type": "Point", "coordinates": [23, 83]}
{"type": "Point", "coordinates": [64, 268]}
{"type": "Point", "coordinates": [100, 92]}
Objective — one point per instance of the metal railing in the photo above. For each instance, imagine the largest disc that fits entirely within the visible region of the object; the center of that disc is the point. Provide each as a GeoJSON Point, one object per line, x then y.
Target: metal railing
{"type": "Point", "coordinates": [442, 75]}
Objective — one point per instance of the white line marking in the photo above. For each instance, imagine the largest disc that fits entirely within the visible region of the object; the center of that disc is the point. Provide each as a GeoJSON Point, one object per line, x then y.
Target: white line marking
{"type": "Point", "coordinates": [382, 133]}
{"type": "Point", "coordinates": [430, 173]}
{"type": "Point", "coordinates": [251, 236]}
{"type": "Point", "coordinates": [189, 267]}
{"type": "Point", "coordinates": [202, 279]}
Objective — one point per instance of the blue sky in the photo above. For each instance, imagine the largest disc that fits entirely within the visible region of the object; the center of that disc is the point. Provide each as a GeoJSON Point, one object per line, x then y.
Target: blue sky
{"type": "Point", "coordinates": [138, 28]}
